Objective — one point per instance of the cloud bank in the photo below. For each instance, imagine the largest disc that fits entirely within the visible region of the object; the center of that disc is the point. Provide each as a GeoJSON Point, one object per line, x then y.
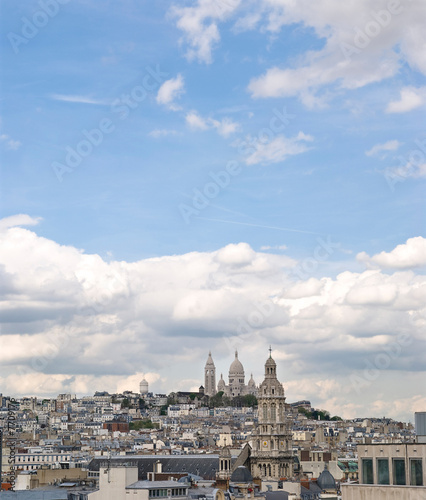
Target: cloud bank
{"type": "Point", "coordinates": [73, 322]}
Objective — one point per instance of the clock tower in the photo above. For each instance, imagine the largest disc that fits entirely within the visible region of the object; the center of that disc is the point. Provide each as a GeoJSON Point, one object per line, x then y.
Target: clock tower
{"type": "Point", "coordinates": [272, 456]}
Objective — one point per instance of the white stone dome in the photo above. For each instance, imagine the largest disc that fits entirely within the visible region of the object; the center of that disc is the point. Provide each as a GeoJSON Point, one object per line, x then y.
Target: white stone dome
{"type": "Point", "coordinates": [236, 369]}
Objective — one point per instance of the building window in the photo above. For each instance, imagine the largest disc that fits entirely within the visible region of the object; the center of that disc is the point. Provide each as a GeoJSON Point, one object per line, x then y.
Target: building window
{"type": "Point", "coordinates": [416, 472]}
{"type": "Point", "coordinates": [398, 471]}
{"type": "Point", "coordinates": [265, 412]}
{"type": "Point", "coordinates": [382, 471]}
{"type": "Point", "coordinates": [367, 471]}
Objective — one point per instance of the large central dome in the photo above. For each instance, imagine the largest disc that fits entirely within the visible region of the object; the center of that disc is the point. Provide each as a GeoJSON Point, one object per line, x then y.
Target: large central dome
{"type": "Point", "coordinates": [236, 369]}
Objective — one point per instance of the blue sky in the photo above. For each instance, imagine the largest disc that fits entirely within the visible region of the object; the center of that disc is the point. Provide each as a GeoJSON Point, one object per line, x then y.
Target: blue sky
{"type": "Point", "coordinates": [346, 161]}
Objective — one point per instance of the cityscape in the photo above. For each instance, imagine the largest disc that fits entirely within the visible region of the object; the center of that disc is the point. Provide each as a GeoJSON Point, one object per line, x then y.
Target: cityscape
{"type": "Point", "coordinates": [213, 250]}
{"type": "Point", "coordinates": [232, 440]}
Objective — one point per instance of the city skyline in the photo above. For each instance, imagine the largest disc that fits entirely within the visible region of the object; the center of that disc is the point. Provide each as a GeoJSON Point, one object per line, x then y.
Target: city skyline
{"type": "Point", "coordinates": [180, 177]}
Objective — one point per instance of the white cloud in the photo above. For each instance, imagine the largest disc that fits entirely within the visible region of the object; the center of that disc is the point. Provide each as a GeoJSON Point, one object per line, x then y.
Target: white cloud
{"type": "Point", "coordinates": [73, 322]}
{"type": "Point", "coordinates": [81, 99]}
{"type": "Point", "coordinates": [18, 220]}
{"type": "Point", "coordinates": [169, 91]}
{"type": "Point", "coordinates": [362, 45]}
{"type": "Point", "coordinates": [409, 255]}
{"type": "Point", "coordinates": [410, 98]}
{"type": "Point", "coordinates": [162, 132]}
{"type": "Point", "coordinates": [273, 247]}
{"type": "Point", "coordinates": [194, 120]}
{"type": "Point", "coordinates": [359, 49]}
{"type": "Point", "coordinates": [410, 170]}
{"type": "Point", "coordinates": [278, 149]}
{"type": "Point", "coordinates": [386, 146]}
{"type": "Point", "coordinates": [224, 127]}
{"type": "Point", "coordinates": [10, 143]}
{"type": "Point", "coordinates": [199, 25]}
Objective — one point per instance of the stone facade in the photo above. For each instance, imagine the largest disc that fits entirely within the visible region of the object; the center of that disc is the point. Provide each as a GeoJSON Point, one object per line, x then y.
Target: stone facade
{"type": "Point", "coordinates": [236, 377]}
{"type": "Point", "coordinates": [271, 455]}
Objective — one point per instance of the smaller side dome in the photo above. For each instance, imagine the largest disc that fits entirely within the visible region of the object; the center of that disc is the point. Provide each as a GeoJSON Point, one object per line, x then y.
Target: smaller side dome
{"type": "Point", "coordinates": [221, 384]}
{"type": "Point", "coordinates": [251, 382]}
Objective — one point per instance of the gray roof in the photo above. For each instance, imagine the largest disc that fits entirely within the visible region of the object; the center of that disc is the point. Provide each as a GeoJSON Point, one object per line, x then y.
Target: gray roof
{"type": "Point", "coordinates": [151, 485]}
{"type": "Point", "coordinates": [241, 475]}
{"type": "Point", "coordinates": [205, 466]}
{"type": "Point", "coordinates": [56, 494]}
{"type": "Point", "coordinates": [276, 495]}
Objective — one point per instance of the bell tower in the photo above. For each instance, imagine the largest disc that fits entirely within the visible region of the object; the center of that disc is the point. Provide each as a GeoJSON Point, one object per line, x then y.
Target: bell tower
{"type": "Point", "coordinates": [210, 377]}
{"type": "Point", "coordinates": [272, 455]}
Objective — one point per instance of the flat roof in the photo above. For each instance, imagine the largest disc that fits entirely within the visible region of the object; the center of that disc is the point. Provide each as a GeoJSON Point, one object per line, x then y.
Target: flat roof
{"type": "Point", "coordinates": [152, 485]}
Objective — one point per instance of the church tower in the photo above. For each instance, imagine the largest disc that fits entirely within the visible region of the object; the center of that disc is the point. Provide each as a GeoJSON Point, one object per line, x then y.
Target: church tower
{"type": "Point", "coordinates": [272, 456]}
{"type": "Point", "coordinates": [210, 377]}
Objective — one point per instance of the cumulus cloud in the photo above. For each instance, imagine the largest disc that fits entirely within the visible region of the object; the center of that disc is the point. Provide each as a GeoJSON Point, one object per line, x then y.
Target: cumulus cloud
{"type": "Point", "coordinates": [409, 255]}
{"type": "Point", "coordinates": [278, 149]}
{"type": "Point", "coordinates": [410, 98]}
{"type": "Point", "coordinates": [360, 45]}
{"type": "Point", "coordinates": [75, 323]}
{"type": "Point", "coordinates": [169, 91]}
{"type": "Point", "coordinates": [18, 220]}
{"type": "Point", "coordinates": [224, 127]}
{"type": "Point", "coordinates": [195, 121]}
{"type": "Point", "coordinates": [199, 24]}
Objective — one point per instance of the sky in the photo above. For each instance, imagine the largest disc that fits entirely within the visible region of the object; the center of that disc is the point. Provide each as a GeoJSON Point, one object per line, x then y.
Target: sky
{"type": "Point", "coordinates": [185, 176]}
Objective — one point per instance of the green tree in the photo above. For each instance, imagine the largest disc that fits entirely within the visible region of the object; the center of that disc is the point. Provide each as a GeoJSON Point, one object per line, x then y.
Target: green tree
{"type": "Point", "coordinates": [249, 400]}
{"type": "Point", "coordinates": [137, 425]}
{"type": "Point", "coordinates": [216, 400]}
